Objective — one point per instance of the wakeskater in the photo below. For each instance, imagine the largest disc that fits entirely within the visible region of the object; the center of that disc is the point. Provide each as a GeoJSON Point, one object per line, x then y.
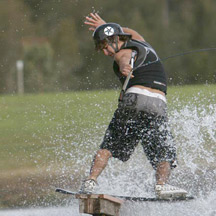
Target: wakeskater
{"type": "Point", "coordinates": [141, 115]}
{"type": "Point", "coordinates": [142, 111]}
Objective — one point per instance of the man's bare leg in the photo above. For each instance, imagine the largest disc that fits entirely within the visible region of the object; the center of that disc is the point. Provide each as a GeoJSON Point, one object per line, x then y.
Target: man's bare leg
{"type": "Point", "coordinates": [163, 172]}
{"type": "Point", "coordinates": [99, 163]}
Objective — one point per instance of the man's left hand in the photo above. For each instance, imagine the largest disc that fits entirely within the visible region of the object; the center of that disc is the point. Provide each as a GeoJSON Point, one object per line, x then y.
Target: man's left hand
{"type": "Point", "coordinates": [94, 21]}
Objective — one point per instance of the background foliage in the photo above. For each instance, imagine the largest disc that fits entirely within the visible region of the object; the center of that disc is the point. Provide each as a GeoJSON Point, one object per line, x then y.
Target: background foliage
{"type": "Point", "coordinates": [58, 52]}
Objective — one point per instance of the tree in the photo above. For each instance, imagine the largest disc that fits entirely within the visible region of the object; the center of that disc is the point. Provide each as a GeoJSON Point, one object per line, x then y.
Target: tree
{"type": "Point", "coordinates": [38, 59]}
{"type": "Point", "coordinates": [170, 26]}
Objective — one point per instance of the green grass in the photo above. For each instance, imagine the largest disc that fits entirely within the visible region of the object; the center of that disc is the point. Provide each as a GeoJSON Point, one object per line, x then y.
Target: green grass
{"type": "Point", "coordinates": [31, 122]}
{"type": "Point", "coordinates": [187, 94]}
{"type": "Point", "coordinates": [33, 126]}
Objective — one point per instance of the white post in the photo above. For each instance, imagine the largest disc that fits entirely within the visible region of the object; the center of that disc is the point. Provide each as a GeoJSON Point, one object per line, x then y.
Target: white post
{"type": "Point", "coordinates": [20, 76]}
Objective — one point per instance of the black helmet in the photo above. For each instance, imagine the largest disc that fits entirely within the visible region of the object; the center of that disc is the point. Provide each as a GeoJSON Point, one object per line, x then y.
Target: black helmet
{"type": "Point", "coordinates": [108, 30]}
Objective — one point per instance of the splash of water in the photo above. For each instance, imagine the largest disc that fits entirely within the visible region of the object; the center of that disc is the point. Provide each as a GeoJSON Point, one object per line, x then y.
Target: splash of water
{"type": "Point", "coordinates": [193, 125]}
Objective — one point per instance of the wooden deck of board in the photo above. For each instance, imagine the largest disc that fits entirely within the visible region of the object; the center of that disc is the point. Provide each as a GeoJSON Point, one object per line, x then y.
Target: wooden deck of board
{"type": "Point", "coordinates": [99, 204]}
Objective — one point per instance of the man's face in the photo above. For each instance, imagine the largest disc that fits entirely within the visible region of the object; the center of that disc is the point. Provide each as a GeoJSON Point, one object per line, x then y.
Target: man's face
{"type": "Point", "coordinates": [109, 50]}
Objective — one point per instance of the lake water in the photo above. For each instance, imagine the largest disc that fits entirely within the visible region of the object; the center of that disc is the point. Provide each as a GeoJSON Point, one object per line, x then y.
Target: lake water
{"type": "Point", "coordinates": [198, 207]}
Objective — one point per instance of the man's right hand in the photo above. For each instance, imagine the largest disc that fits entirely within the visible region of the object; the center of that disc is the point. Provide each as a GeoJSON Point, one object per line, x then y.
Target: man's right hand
{"type": "Point", "coordinates": [94, 21]}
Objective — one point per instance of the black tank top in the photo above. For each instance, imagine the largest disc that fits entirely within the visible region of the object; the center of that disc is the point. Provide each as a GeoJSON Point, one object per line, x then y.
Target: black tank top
{"type": "Point", "coordinates": [148, 69]}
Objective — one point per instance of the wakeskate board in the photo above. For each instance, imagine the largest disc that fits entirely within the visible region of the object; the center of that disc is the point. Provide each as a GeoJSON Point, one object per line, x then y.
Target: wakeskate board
{"type": "Point", "coordinates": [130, 198]}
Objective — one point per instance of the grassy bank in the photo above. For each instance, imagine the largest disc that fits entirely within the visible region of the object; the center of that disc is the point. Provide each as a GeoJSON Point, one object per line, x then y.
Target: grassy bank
{"type": "Point", "coordinates": [31, 122]}
{"type": "Point", "coordinates": [43, 134]}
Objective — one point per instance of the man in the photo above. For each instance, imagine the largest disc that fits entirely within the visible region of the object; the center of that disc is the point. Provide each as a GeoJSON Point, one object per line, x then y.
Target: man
{"type": "Point", "coordinates": [141, 115]}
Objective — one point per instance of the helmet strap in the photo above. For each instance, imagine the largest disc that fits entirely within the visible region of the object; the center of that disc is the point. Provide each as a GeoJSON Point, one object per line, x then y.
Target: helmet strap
{"type": "Point", "coordinates": [116, 43]}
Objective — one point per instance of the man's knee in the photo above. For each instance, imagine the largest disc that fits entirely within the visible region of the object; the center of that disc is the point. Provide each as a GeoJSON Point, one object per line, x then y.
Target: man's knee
{"type": "Point", "coordinates": [104, 153]}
